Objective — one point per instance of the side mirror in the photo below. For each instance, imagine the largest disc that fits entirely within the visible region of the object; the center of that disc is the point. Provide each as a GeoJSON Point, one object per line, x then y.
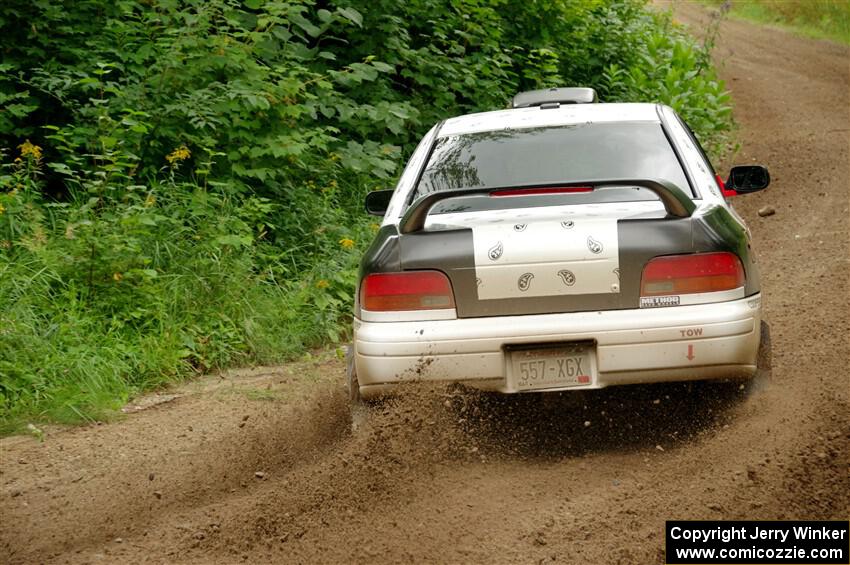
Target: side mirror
{"type": "Point", "coordinates": [748, 178]}
{"type": "Point", "coordinates": [378, 201]}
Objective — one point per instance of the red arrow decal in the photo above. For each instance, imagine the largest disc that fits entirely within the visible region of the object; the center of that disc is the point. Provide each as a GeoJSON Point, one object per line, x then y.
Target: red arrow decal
{"type": "Point", "coordinates": [690, 352]}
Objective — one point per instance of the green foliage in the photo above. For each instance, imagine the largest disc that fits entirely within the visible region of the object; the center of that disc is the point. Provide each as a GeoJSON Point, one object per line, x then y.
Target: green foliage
{"type": "Point", "coordinates": [181, 182]}
{"type": "Point", "coordinates": [100, 300]}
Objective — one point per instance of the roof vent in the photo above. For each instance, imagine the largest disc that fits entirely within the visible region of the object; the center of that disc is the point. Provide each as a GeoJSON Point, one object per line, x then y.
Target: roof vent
{"type": "Point", "coordinates": [550, 96]}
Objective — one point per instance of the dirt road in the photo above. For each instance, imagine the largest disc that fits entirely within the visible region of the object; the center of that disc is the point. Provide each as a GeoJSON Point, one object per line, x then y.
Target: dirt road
{"type": "Point", "coordinates": [259, 466]}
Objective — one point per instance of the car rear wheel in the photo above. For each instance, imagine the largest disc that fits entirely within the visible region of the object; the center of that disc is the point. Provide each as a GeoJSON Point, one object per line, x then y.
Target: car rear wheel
{"type": "Point", "coordinates": [764, 362]}
{"type": "Point", "coordinates": [357, 406]}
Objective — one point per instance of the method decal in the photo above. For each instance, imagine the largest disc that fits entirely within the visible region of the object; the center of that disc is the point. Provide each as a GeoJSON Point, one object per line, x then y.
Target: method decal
{"type": "Point", "coordinates": [658, 301]}
{"type": "Point", "coordinates": [548, 257]}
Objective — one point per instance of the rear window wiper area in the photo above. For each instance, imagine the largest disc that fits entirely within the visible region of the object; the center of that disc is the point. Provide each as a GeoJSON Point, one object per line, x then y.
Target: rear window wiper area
{"type": "Point", "coordinates": [516, 198]}
{"type": "Point", "coordinates": [676, 202]}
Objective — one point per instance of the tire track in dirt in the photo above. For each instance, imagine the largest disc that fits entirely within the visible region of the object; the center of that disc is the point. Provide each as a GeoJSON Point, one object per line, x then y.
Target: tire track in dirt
{"type": "Point", "coordinates": [474, 479]}
{"type": "Point", "coordinates": [97, 483]}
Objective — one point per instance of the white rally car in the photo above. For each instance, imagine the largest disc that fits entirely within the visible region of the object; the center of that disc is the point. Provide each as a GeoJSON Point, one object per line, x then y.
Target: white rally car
{"type": "Point", "coordinates": [562, 244]}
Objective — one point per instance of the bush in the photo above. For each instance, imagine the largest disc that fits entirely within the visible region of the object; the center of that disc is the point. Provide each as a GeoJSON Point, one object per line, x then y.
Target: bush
{"type": "Point", "coordinates": [182, 182]}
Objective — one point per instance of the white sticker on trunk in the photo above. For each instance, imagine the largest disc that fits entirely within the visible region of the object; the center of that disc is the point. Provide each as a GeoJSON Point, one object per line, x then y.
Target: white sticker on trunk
{"type": "Point", "coordinates": [659, 301]}
{"type": "Point", "coordinates": [547, 258]}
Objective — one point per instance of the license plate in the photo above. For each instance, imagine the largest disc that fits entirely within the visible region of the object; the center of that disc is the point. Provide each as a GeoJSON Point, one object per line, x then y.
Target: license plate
{"type": "Point", "coordinates": [552, 367]}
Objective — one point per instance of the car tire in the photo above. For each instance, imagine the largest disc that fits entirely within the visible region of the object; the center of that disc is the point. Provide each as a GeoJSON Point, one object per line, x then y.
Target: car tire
{"type": "Point", "coordinates": [358, 408]}
{"type": "Point", "coordinates": [764, 361]}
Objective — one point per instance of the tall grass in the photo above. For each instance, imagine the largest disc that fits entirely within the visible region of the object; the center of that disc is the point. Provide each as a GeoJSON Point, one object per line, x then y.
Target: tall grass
{"type": "Point", "coordinates": [825, 19]}
{"type": "Point", "coordinates": [93, 310]}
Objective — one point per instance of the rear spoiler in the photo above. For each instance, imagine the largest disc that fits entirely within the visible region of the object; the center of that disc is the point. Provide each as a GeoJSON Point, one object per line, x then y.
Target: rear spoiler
{"type": "Point", "coordinates": [549, 97]}
{"type": "Point", "coordinates": [675, 201]}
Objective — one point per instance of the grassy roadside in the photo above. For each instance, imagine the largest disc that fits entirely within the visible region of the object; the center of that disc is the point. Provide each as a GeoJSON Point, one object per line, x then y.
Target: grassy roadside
{"type": "Point", "coordinates": [819, 19]}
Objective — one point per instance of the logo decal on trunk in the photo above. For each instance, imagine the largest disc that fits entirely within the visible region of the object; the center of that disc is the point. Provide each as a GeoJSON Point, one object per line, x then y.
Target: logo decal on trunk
{"type": "Point", "coordinates": [568, 277]}
{"type": "Point", "coordinates": [531, 256]}
{"type": "Point", "coordinates": [525, 281]}
{"type": "Point", "coordinates": [495, 251]}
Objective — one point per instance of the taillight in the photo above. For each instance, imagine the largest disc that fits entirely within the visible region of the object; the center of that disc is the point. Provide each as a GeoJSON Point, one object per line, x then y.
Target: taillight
{"type": "Point", "coordinates": [688, 274]}
{"type": "Point", "coordinates": [411, 290]}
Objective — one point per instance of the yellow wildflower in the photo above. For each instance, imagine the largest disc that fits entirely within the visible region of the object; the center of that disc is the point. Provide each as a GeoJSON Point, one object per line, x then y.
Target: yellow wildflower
{"type": "Point", "coordinates": [346, 243]}
{"type": "Point", "coordinates": [180, 154]}
{"type": "Point", "coordinates": [2, 209]}
{"type": "Point", "coordinates": [374, 226]}
{"type": "Point", "coordinates": [322, 283]}
{"type": "Point", "coordinates": [150, 200]}
{"type": "Point", "coordinates": [29, 149]}
{"type": "Point", "coordinates": [117, 277]}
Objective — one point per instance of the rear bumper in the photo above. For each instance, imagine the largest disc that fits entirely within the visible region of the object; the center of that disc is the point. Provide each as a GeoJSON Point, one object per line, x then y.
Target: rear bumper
{"type": "Point", "coordinates": [705, 341]}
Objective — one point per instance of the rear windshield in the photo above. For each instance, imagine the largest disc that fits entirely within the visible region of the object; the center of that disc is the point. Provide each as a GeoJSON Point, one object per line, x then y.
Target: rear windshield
{"type": "Point", "coordinates": [551, 155]}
